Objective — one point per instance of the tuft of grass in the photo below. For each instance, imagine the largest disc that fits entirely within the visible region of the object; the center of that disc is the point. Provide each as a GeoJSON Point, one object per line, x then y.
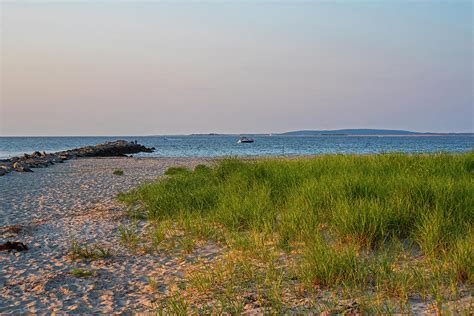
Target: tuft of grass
{"type": "Point", "coordinates": [152, 283]}
{"type": "Point", "coordinates": [187, 244]}
{"type": "Point", "coordinates": [118, 172]}
{"type": "Point", "coordinates": [158, 234]}
{"type": "Point", "coordinates": [81, 273]}
{"type": "Point", "coordinates": [129, 235]}
{"type": "Point", "coordinates": [461, 259]}
{"type": "Point", "coordinates": [324, 265]}
{"type": "Point", "coordinates": [177, 305]}
{"type": "Point", "coordinates": [89, 252]}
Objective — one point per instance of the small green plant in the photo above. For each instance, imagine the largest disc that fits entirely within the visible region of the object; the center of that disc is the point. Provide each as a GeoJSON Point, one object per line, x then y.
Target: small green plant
{"type": "Point", "coordinates": [89, 252]}
{"type": "Point", "coordinates": [461, 260]}
{"type": "Point", "coordinates": [152, 283]}
{"type": "Point", "coordinates": [129, 235]}
{"type": "Point", "coordinates": [229, 305]}
{"type": "Point", "coordinates": [81, 273]}
{"type": "Point", "coordinates": [177, 305]}
{"type": "Point", "coordinates": [158, 234]}
{"type": "Point", "coordinates": [102, 252]}
{"type": "Point", "coordinates": [201, 280]}
{"type": "Point", "coordinates": [323, 265]}
{"type": "Point", "coordinates": [187, 244]}
{"type": "Point", "coordinates": [274, 284]}
{"type": "Point", "coordinates": [118, 172]}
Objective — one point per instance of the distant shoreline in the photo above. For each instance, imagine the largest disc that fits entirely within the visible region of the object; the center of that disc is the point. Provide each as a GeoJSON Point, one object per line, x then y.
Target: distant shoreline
{"type": "Point", "coordinates": [323, 135]}
{"type": "Point", "coordinates": [381, 135]}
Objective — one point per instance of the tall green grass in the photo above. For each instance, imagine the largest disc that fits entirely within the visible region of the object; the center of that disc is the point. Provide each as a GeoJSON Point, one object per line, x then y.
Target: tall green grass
{"type": "Point", "coordinates": [340, 211]}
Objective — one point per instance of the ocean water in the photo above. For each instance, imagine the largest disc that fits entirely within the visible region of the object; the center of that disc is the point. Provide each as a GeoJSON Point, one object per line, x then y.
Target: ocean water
{"type": "Point", "coordinates": [225, 145]}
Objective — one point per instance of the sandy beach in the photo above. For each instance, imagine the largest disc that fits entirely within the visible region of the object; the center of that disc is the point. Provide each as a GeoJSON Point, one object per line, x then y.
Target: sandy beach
{"type": "Point", "coordinates": [75, 201]}
{"type": "Point", "coordinates": [53, 208]}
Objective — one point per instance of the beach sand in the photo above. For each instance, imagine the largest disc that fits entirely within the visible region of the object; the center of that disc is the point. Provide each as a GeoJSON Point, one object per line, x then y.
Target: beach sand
{"type": "Point", "coordinates": [75, 201]}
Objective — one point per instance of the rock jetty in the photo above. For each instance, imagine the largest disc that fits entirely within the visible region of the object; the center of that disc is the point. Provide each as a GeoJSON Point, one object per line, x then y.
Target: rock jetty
{"type": "Point", "coordinates": [25, 163]}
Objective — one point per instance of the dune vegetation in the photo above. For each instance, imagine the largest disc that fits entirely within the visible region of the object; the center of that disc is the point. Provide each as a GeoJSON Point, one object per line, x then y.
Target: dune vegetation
{"type": "Point", "coordinates": [380, 231]}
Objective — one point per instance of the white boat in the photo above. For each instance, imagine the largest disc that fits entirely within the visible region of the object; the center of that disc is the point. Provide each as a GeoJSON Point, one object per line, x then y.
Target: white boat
{"type": "Point", "coordinates": [244, 139]}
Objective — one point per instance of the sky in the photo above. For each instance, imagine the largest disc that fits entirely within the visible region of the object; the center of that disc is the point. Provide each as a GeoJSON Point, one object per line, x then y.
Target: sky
{"type": "Point", "coordinates": [177, 67]}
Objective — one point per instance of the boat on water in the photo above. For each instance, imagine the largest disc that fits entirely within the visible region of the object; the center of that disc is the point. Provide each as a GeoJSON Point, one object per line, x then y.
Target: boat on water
{"type": "Point", "coordinates": [244, 139]}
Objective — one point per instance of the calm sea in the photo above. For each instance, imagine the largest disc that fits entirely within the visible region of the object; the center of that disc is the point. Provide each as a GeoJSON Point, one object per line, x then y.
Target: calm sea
{"type": "Point", "coordinates": [210, 146]}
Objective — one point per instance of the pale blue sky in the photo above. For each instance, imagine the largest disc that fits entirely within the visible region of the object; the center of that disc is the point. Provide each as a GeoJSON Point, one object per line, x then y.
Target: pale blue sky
{"type": "Point", "coordinates": [141, 68]}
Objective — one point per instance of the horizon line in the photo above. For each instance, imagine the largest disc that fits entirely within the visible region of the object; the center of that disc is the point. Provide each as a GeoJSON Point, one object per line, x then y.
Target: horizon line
{"type": "Point", "coordinates": [248, 133]}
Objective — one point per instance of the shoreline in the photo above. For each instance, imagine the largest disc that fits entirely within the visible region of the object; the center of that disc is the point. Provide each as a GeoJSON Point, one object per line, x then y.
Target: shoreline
{"type": "Point", "coordinates": [276, 156]}
{"type": "Point", "coordinates": [286, 155]}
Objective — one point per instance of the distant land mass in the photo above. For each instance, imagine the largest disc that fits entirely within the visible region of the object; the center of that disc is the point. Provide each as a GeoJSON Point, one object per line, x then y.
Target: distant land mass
{"type": "Point", "coordinates": [362, 131]}
{"type": "Point", "coordinates": [339, 132]}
